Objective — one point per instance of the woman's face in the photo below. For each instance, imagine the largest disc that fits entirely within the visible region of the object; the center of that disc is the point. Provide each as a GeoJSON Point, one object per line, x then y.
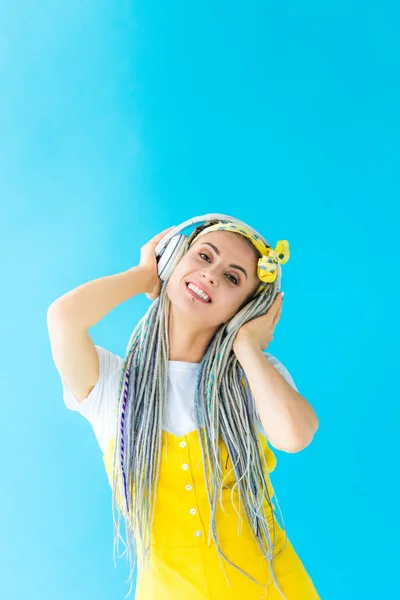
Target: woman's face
{"type": "Point", "coordinates": [208, 265]}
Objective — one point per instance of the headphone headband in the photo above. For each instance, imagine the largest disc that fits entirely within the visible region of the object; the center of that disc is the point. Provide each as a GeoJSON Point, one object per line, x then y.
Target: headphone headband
{"type": "Point", "coordinates": [202, 219]}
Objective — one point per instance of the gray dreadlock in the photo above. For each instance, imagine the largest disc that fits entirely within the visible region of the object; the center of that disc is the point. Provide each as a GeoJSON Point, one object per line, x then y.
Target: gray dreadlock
{"type": "Point", "coordinates": [224, 409]}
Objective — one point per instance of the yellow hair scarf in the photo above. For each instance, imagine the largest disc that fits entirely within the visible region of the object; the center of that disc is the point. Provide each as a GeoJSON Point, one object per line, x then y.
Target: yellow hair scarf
{"type": "Point", "coordinates": [268, 263]}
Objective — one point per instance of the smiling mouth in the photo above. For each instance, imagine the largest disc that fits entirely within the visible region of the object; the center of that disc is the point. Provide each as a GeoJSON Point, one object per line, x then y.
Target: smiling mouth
{"type": "Point", "coordinates": [194, 295]}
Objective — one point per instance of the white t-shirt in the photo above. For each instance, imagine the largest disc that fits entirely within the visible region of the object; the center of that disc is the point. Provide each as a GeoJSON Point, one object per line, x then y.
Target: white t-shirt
{"type": "Point", "coordinates": [100, 407]}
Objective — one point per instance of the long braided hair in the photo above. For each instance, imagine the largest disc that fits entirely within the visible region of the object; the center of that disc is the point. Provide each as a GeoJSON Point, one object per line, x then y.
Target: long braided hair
{"type": "Point", "coordinates": [224, 408]}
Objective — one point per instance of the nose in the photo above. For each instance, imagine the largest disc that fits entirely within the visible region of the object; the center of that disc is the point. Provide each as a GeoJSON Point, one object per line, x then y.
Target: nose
{"type": "Point", "coordinates": [210, 275]}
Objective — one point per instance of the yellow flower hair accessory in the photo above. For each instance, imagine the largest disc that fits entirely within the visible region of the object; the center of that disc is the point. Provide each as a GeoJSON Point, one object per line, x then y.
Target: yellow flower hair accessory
{"type": "Point", "coordinates": [268, 263]}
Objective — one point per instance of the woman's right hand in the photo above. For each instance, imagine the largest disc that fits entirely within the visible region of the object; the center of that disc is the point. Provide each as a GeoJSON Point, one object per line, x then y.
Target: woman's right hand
{"type": "Point", "coordinates": [148, 262]}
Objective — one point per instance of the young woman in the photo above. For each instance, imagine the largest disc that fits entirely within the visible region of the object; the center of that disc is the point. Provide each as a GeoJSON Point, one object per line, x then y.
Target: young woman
{"type": "Point", "coordinates": [185, 419]}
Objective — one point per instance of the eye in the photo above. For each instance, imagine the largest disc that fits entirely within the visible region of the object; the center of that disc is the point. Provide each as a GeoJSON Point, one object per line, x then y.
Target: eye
{"type": "Point", "coordinates": [233, 277]}
{"type": "Point", "coordinates": [235, 282]}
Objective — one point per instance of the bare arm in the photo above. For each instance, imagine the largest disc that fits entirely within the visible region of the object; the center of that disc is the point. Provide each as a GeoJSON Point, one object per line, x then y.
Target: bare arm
{"type": "Point", "coordinates": [87, 304]}
{"type": "Point", "coordinates": [288, 419]}
{"type": "Point", "coordinates": [70, 316]}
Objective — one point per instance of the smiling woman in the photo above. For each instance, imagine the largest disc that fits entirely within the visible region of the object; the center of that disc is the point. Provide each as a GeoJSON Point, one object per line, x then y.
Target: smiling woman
{"type": "Point", "coordinates": [187, 458]}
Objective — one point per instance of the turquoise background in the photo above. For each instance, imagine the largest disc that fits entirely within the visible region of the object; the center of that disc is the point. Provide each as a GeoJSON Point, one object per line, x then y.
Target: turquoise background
{"type": "Point", "coordinates": [119, 119]}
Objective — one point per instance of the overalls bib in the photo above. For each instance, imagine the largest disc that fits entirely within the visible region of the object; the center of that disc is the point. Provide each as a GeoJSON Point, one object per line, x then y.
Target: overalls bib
{"type": "Point", "coordinates": [183, 565]}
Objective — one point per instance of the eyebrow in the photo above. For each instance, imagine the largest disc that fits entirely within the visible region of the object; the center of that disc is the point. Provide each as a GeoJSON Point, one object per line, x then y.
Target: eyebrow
{"type": "Point", "coordinates": [218, 252]}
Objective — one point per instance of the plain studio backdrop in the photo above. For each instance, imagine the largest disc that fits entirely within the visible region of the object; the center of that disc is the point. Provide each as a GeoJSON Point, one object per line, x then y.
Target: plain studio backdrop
{"type": "Point", "coordinates": [119, 119]}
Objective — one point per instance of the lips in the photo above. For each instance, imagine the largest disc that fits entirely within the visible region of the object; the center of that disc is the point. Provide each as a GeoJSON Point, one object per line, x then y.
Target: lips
{"type": "Point", "coordinates": [200, 288]}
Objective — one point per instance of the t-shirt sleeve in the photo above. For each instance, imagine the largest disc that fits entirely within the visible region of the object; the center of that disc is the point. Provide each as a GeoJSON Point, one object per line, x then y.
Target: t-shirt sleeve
{"type": "Point", "coordinates": [283, 371]}
{"type": "Point", "coordinates": [100, 408]}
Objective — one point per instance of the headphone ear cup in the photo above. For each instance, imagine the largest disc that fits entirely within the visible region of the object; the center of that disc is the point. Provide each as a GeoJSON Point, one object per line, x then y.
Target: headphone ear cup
{"type": "Point", "coordinates": [176, 247]}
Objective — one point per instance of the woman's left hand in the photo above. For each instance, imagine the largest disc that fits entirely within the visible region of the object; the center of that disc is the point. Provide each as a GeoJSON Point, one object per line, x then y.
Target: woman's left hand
{"type": "Point", "coordinates": [260, 330]}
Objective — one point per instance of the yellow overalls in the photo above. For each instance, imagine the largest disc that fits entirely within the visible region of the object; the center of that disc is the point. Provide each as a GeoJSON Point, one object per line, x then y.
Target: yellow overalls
{"type": "Point", "coordinates": [183, 566]}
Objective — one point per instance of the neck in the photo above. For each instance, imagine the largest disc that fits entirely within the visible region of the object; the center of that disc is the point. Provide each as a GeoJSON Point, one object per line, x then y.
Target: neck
{"type": "Point", "coordinates": [188, 340]}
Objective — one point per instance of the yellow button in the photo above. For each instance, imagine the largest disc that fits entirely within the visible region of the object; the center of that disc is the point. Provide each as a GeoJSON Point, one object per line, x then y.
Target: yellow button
{"type": "Point", "coordinates": [192, 511]}
{"type": "Point", "coordinates": [197, 533]}
{"type": "Point", "coordinates": [182, 444]}
{"type": "Point", "coordinates": [188, 487]}
{"type": "Point", "coordinates": [185, 467]}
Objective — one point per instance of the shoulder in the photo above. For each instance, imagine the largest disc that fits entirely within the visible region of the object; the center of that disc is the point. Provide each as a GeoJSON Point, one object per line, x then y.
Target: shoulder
{"type": "Point", "coordinates": [100, 408]}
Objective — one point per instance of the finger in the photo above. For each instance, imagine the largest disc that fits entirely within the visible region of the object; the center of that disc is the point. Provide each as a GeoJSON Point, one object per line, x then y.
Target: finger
{"type": "Point", "coordinates": [166, 231]}
{"type": "Point", "coordinates": [159, 236]}
{"type": "Point", "coordinates": [277, 316]}
{"type": "Point", "coordinates": [277, 304]}
{"type": "Point", "coordinates": [277, 301]}
{"type": "Point", "coordinates": [272, 311]}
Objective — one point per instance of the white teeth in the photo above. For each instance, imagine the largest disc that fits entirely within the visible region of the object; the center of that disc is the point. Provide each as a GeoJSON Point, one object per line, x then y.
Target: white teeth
{"type": "Point", "coordinates": [199, 292]}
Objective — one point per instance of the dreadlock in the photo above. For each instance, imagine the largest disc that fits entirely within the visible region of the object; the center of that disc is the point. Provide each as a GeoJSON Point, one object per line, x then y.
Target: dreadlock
{"type": "Point", "coordinates": [224, 408]}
